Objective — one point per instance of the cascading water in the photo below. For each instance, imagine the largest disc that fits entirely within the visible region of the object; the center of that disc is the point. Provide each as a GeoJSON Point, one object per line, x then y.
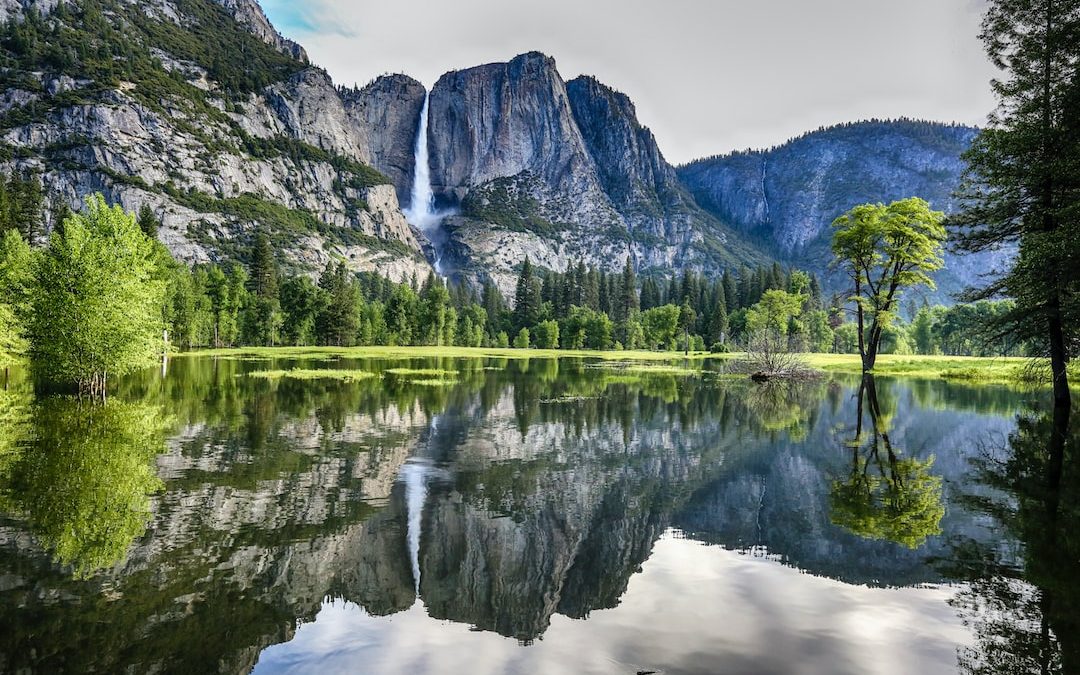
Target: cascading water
{"type": "Point", "coordinates": [421, 212]}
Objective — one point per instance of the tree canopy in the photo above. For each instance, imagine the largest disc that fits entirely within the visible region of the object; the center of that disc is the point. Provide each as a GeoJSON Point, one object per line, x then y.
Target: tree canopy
{"type": "Point", "coordinates": [884, 250]}
{"type": "Point", "coordinates": [96, 306]}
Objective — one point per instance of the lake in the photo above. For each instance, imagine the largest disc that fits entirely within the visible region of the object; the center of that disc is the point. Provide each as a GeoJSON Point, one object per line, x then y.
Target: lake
{"type": "Point", "coordinates": [492, 515]}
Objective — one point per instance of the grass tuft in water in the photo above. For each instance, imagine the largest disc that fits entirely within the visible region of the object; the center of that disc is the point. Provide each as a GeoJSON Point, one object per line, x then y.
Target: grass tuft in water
{"type": "Point", "coordinates": [306, 374]}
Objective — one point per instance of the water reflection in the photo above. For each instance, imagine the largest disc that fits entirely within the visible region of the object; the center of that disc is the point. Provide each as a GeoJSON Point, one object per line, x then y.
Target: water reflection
{"type": "Point", "coordinates": [885, 495]}
{"type": "Point", "coordinates": [514, 497]}
{"type": "Point", "coordinates": [1023, 599]}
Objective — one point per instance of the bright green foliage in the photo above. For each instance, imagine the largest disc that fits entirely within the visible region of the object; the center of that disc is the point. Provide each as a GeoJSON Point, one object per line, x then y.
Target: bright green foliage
{"type": "Point", "coordinates": [16, 277]}
{"type": "Point", "coordinates": [301, 304]}
{"type": "Point", "coordinates": [546, 335]}
{"type": "Point", "coordinates": [521, 341]}
{"type": "Point", "coordinates": [899, 502]}
{"type": "Point", "coordinates": [86, 479]}
{"type": "Point", "coordinates": [846, 339]}
{"type": "Point", "coordinates": [819, 333]}
{"type": "Point", "coordinates": [885, 496]}
{"type": "Point", "coordinates": [660, 326]}
{"type": "Point", "coordinates": [585, 328]}
{"type": "Point", "coordinates": [884, 250]}
{"type": "Point", "coordinates": [774, 312]}
{"type": "Point", "coordinates": [97, 301]}
{"type": "Point", "coordinates": [922, 329]}
{"type": "Point", "coordinates": [227, 289]}
{"type": "Point", "coordinates": [434, 310]}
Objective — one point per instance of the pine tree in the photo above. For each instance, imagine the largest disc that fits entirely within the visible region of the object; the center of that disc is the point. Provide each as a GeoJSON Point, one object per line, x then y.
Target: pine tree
{"type": "Point", "coordinates": [650, 294]}
{"type": "Point", "coordinates": [527, 298]}
{"type": "Point", "coordinates": [263, 275]}
{"type": "Point", "coordinates": [731, 291]}
{"type": "Point", "coordinates": [628, 294]}
{"type": "Point", "coordinates": [1022, 185]}
{"type": "Point", "coordinates": [148, 221]}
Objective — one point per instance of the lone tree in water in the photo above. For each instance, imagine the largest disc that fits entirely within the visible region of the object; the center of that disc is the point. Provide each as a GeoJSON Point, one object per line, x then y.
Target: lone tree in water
{"type": "Point", "coordinates": [883, 250]}
{"type": "Point", "coordinates": [96, 301]}
{"type": "Point", "coordinates": [1022, 186]}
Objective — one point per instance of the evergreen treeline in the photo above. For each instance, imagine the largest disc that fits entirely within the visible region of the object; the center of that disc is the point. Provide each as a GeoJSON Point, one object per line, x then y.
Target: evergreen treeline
{"type": "Point", "coordinates": [104, 297]}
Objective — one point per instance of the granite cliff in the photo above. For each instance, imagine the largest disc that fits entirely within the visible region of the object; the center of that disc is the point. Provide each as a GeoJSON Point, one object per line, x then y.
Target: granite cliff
{"type": "Point", "coordinates": [560, 172]}
{"type": "Point", "coordinates": [216, 147]}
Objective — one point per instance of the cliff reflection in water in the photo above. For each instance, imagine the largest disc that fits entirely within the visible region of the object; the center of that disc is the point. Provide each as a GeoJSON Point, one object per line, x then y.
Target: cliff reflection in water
{"type": "Point", "coordinates": [200, 517]}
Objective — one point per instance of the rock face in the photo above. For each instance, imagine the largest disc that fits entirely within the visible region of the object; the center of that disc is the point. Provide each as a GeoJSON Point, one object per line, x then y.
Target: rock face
{"type": "Point", "coordinates": [217, 157]}
{"type": "Point", "coordinates": [387, 112]}
{"type": "Point", "coordinates": [787, 197]}
{"type": "Point", "coordinates": [559, 172]}
{"type": "Point", "coordinates": [250, 14]}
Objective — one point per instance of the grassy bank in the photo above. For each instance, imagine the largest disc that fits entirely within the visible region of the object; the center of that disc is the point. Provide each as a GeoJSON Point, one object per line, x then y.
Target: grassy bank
{"type": "Point", "coordinates": [1004, 370]}
{"type": "Point", "coordinates": [443, 352]}
{"type": "Point", "coordinates": [999, 370]}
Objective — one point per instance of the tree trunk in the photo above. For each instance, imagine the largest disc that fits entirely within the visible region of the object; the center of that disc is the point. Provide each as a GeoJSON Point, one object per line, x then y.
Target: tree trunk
{"type": "Point", "coordinates": [1059, 357]}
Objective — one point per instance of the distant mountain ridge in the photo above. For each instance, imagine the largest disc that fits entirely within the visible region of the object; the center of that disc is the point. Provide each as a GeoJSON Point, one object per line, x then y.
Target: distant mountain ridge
{"type": "Point", "coordinates": [529, 164]}
{"type": "Point", "coordinates": [786, 198]}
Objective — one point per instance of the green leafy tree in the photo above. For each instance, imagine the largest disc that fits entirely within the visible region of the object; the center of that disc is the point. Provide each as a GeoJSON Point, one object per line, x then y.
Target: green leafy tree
{"type": "Point", "coordinates": [301, 303]}
{"type": "Point", "coordinates": [521, 341]}
{"type": "Point", "coordinates": [884, 250]}
{"type": "Point", "coordinates": [546, 334]}
{"type": "Point", "coordinates": [885, 496]}
{"type": "Point", "coordinates": [660, 325]}
{"type": "Point", "coordinates": [16, 279]}
{"type": "Point", "coordinates": [819, 332]}
{"type": "Point", "coordinates": [96, 302]}
{"type": "Point", "coordinates": [922, 330]}
{"type": "Point", "coordinates": [774, 312]}
{"type": "Point", "coordinates": [434, 310]}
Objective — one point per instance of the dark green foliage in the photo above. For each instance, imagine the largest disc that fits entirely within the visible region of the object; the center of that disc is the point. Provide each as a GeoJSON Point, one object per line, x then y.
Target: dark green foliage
{"type": "Point", "coordinates": [502, 203]}
{"type": "Point", "coordinates": [1022, 187]}
{"type": "Point", "coordinates": [109, 41]}
{"type": "Point", "coordinates": [148, 221]}
{"type": "Point", "coordinates": [21, 205]}
{"type": "Point", "coordinates": [527, 299]}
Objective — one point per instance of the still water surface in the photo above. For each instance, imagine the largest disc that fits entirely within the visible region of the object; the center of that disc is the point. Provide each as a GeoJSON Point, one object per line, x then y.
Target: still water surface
{"type": "Point", "coordinates": [532, 516]}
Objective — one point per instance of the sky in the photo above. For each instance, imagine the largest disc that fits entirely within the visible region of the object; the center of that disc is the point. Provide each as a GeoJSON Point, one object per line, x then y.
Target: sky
{"type": "Point", "coordinates": [707, 76]}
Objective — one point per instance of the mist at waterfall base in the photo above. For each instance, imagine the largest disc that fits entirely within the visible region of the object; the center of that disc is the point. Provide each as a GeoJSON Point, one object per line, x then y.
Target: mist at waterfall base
{"type": "Point", "coordinates": [421, 212]}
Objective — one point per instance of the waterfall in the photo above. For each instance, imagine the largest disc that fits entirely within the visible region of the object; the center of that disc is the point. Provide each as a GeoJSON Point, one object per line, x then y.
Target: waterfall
{"type": "Point", "coordinates": [421, 212]}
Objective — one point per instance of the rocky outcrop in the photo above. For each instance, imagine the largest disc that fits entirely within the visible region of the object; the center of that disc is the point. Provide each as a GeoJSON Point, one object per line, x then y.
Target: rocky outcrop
{"type": "Point", "coordinates": [214, 162]}
{"type": "Point", "coordinates": [633, 172]}
{"type": "Point", "coordinates": [250, 14]}
{"type": "Point", "coordinates": [559, 173]}
{"type": "Point", "coordinates": [387, 114]}
{"type": "Point", "coordinates": [788, 196]}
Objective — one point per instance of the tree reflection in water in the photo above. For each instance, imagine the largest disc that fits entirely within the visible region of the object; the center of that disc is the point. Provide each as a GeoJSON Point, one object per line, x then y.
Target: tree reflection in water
{"type": "Point", "coordinates": [885, 496]}
{"type": "Point", "coordinates": [1024, 602]}
{"type": "Point", "coordinates": [84, 476]}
